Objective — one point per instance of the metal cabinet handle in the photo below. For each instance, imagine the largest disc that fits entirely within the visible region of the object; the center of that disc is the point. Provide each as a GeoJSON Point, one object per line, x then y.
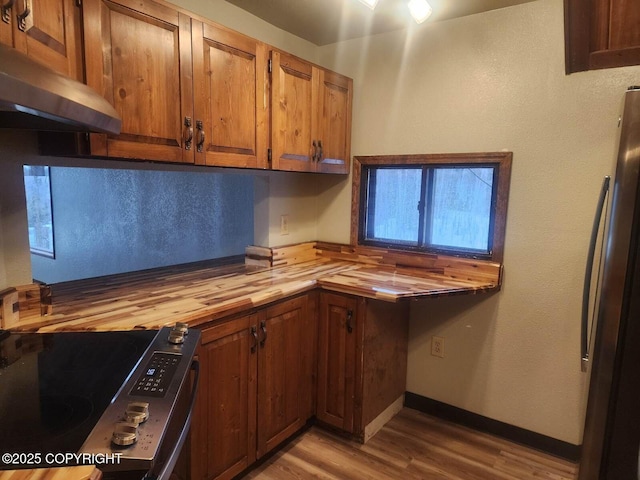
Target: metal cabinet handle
{"type": "Point", "coordinates": [22, 17]}
{"type": "Point", "coordinates": [320, 152]}
{"type": "Point", "coordinates": [314, 155]}
{"type": "Point", "coordinates": [349, 321]}
{"type": "Point", "coordinates": [263, 327]}
{"type": "Point", "coordinates": [201, 136]}
{"type": "Point", "coordinates": [6, 11]}
{"type": "Point", "coordinates": [254, 334]}
{"type": "Point", "coordinates": [188, 133]}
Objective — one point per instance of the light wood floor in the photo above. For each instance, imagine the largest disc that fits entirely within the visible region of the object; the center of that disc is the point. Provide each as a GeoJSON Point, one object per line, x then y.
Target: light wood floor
{"type": "Point", "coordinates": [412, 446]}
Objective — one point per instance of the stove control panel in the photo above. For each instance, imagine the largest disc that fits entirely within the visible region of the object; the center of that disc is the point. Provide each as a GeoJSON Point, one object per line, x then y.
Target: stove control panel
{"type": "Point", "coordinates": [136, 422]}
{"type": "Point", "coordinates": [157, 375]}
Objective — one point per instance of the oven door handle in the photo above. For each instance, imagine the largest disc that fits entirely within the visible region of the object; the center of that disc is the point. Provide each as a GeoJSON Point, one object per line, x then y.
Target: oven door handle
{"type": "Point", "coordinates": [167, 468]}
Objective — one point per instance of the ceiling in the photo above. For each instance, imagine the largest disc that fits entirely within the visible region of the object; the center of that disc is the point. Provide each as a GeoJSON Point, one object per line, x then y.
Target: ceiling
{"type": "Point", "coordinates": [329, 21]}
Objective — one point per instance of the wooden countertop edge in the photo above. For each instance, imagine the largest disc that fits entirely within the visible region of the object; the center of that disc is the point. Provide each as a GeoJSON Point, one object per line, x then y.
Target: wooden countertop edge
{"type": "Point", "coordinates": [83, 472]}
{"type": "Point", "coordinates": [336, 281]}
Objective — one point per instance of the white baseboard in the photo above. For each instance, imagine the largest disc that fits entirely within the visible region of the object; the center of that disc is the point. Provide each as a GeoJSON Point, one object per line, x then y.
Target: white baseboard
{"type": "Point", "coordinates": [380, 421]}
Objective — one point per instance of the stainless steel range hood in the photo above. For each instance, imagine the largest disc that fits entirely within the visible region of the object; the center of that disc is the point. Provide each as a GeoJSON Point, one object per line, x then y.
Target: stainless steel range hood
{"type": "Point", "coordinates": [35, 97]}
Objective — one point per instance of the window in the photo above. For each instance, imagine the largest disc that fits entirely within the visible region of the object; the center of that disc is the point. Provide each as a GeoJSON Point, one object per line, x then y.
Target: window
{"type": "Point", "coordinates": [37, 186]}
{"type": "Point", "coordinates": [444, 204]}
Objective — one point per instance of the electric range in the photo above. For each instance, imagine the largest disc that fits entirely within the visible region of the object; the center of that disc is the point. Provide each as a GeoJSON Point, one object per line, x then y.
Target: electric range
{"type": "Point", "coordinates": [119, 400]}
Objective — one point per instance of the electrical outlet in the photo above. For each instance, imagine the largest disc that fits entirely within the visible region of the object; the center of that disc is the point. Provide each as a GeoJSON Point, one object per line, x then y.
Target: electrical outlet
{"type": "Point", "coordinates": [284, 224]}
{"type": "Point", "coordinates": [437, 346]}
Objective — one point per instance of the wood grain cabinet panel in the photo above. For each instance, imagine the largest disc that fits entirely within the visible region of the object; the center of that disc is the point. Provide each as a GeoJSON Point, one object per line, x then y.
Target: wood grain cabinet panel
{"type": "Point", "coordinates": [280, 373]}
{"type": "Point", "coordinates": [48, 33]}
{"type": "Point", "coordinates": [310, 117]}
{"type": "Point", "coordinates": [223, 438]}
{"type": "Point", "coordinates": [6, 20]}
{"type": "Point", "coordinates": [362, 361]}
{"type": "Point", "coordinates": [230, 100]}
{"type": "Point", "coordinates": [257, 386]}
{"type": "Point", "coordinates": [293, 122]}
{"type": "Point", "coordinates": [139, 58]}
{"type": "Point", "coordinates": [337, 334]}
{"type": "Point", "coordinates": [334, 149]}
{"type": "Point", "coordinates": [601, 34]}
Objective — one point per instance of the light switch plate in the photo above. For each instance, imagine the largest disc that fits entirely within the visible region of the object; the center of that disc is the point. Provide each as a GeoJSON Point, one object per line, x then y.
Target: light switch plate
{"type": "Point", "coordinates": [284, 224]}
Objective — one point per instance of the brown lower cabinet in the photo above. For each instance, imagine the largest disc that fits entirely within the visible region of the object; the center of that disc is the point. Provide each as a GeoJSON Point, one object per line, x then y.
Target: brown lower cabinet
{"type": "Point", "coordinates": [257, 386]}
{"type": "Point", "coordinates": [258, 382]}
{"type": "Point", "coordinates": [362, 361]}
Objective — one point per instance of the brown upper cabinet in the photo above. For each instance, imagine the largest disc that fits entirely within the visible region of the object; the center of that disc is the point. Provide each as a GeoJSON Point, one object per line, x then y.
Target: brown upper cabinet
{"type": "Point", "coordinates": [191, 91]}
{"type": "Point", "coordinates": [231, 106]}
{"type": "Point", "coordinates": [310, 117]}
{"type": "Point", "coordinates": [138, 56]}
{"type": "Point", "coordinates": [601, 34]}
{"type": "Point", "coordinates": [47, 31]}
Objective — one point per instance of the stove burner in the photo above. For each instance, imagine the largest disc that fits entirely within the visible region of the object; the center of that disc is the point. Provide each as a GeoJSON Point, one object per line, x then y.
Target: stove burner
{"type": "Point", "coordinates": [60, 416]}
{"type": "Point", "coordinates": [64, 412]}
{"type": "Point", "coordinates": [55, 387]}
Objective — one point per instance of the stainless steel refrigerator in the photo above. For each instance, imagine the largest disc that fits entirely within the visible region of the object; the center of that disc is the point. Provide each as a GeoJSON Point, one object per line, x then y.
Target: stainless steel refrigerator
{"type": "Point", "coordinates": [611, 439]}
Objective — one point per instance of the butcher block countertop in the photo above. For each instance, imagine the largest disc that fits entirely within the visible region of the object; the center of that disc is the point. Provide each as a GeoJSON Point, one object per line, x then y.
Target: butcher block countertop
{"type": "Point", "coordinates": [87, 472]}
{"type": "Point", "coordinates": [204, 292]}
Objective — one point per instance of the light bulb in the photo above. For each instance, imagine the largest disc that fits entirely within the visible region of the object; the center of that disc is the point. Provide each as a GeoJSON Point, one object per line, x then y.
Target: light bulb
{"type": "Point", "coordinates": [420, 10]}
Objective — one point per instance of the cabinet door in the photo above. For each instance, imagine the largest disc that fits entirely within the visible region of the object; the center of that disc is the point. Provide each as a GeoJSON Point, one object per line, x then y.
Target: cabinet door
{"type": "Point", "coordinates": [229, 72]}
{"type": "Point", "coordinates": [139, 58]}
{"type": "Point", "coordinates": [229, 374]}
{"type": "Point", "coordinates": [294, 118]}
{"type": "Point", "coordinates": [48, 33]}
{"type": "Point", "coordinates": [334, 137]}
{"type": "Point", "coordinates": [601, 34]}
{"type": "Point", "coordinates": [6, 21]}
{"type": "Point", "coordinates": [281, 409]}
{"type": "Point", "coordinates": [337, 360]}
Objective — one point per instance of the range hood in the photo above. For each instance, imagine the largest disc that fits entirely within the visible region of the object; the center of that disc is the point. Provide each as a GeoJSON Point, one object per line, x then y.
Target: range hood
{"type": "Point", "coordinates": [35, 97]}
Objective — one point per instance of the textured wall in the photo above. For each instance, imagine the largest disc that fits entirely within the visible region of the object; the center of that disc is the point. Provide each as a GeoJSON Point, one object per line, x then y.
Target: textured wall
{"type": "Point", "coordinates": [112, 221]}
{"type": "Point", "coordinates": [485, 83]}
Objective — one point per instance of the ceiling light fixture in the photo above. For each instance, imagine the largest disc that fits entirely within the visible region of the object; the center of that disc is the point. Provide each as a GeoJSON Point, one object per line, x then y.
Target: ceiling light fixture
{"type": "Point", "coordinates": [370, 3]}
{"type": "Point", "coordinates": [420, 10]}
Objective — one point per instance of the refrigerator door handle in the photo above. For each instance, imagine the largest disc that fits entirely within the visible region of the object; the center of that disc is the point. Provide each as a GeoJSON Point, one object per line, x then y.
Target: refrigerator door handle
{"type": "Point", "coordinates": [586, 292]}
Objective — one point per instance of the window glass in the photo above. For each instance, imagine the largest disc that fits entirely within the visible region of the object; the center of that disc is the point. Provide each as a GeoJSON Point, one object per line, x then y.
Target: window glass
{"type": "Point", "coordinates": [450, 204]}
{"type": "Point", "coordinates": [462, 199]}
{"type": "Point", "coordinates": [394, 198]}
{"type": "Point", "coordinates": [39, 212]}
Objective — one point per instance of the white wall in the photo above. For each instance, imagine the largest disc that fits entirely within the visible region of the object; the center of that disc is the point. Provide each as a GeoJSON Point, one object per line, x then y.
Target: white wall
{"type": "Point", "coordinates": [485, 83]}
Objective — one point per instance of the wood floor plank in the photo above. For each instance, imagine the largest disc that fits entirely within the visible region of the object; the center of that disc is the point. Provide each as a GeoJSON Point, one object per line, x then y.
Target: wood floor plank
{"type": "Point", "coordinates": [411, 446]}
